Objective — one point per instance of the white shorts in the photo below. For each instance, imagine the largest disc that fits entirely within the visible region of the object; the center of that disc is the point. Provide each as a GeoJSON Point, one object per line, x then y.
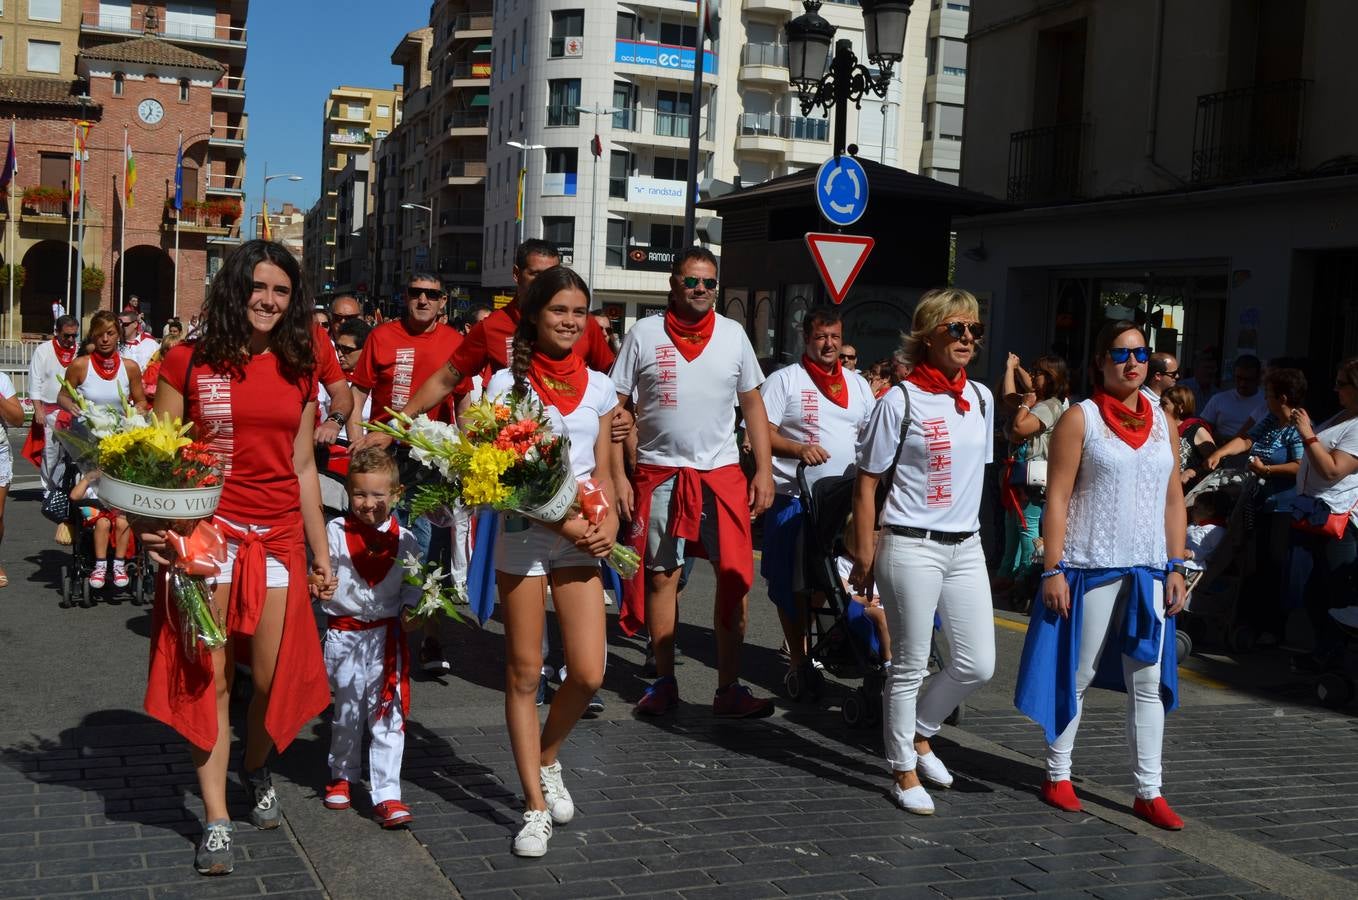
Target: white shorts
{"type": "Point", "coordinates": [535, 550]}
{"type": "Point", "coordinates": [277, 572]}
{"type": "Point", "coordinates": [6, 464]}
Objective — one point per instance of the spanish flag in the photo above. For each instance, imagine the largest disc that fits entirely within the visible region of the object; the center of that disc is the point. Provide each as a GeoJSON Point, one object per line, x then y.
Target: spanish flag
{"type": "Point", "coordinates": [264, 224]}
{"type": "Point", "coordinates": [131, 179]}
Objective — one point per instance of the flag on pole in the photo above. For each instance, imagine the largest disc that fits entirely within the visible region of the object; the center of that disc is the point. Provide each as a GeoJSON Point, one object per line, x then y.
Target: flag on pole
{"type": "Point", "coordinates": [131, 180]}
{"type": "Point", "coordinates": [80, 157]}
{"type": "Point", "coordinates": [11, 163]}
{"type": "Point", "coordinates": [268, 230]}
{"type": "Point", "coordinates": [518, 204]}
{"type": "Point", "coordinates": [178, 176]}
{"type": "Point", "coordinates": [596, 146]}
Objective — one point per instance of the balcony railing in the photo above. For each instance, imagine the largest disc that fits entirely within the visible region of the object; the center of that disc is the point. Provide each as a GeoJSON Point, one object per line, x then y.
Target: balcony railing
{"type": "Point", "coordinates": [216, 181]}
{"type": "Point", "coordinates": [796, 128]}
{"type": "Point", "coordinates": [626, 119]}
{"type": "Point", "coordinates": [672, 124]}
{"type": "Point", "coordinates": [125, 24]}
{"type": "Point", "coordinates": [228, 133]}
{"type": "Point", "coordinates": [1252, 132]}
{"type": "Point", "coordinates": [350, 137]}
{"type": "Point", "coordinates": [465, 119]}
{"type": "Point", "coordinates": [473, 21]}
{"type": "Point", "coordinates": [1046, 164]}
{"type": "Point", "coordinates": [465, 70]}
{"type": "Point", "coordinates": [764, 55]}
{"type": "Point", "coordinates": [462, 217]}
{"type": "Point", "coordinates": [231, 83]}
{"type": "Point", "coordinates": [563, 115]}
{"type": "Point", "coordinates": [464, 168]}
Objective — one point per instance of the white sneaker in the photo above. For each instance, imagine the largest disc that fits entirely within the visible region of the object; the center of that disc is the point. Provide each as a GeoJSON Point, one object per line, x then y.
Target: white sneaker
{"type": "Point", "coordinates": [533, 836]}
{"type": "Point", "coordinates": [1346, 616]}
{"type": "Point", "coordinates": [931, 769]}
{"type": "Point", "coordinates": [913, 800]}
{"type": "Point", "coordinates": [559, 802]}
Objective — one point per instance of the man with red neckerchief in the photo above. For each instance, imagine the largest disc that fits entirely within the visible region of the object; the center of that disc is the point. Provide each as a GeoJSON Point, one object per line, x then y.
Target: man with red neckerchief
{"type": "Point", "coordinates": [817, 410]}
{"type": "Point", "coordinates": [690, 369]}
{"type": "Point", "coordinates": [397, 357]}
{"type": "Point", "coordinates": [49, 362]}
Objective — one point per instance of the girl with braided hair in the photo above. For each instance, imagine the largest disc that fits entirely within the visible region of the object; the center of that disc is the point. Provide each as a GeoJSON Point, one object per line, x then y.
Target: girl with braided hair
{"type": "Point", "coordinates": [530, 555]}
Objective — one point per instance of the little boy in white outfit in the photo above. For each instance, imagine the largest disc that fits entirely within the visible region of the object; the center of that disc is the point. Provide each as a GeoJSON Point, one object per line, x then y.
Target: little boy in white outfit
{"type": "Point", "coordinates": [365, 647]}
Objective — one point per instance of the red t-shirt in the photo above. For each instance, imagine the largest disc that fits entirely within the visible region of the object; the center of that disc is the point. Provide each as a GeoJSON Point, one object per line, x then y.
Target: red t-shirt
{"type": "Point", "coordinates": [395, 363]}
{"type": "Point", "coordinates": [251, 422]}
{"type": "Point", "coordinates": [328, 369]}
{"type": "Point", "coordinates": [487, 345]}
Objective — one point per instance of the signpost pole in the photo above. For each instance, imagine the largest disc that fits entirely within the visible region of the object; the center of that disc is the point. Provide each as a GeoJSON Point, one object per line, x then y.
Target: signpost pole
{"type": "Point", "coordinates": [695, 117]}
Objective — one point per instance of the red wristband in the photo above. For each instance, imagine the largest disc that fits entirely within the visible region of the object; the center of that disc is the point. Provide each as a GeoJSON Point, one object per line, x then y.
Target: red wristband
{"type": "Point", "coordinates": [1310, 440]}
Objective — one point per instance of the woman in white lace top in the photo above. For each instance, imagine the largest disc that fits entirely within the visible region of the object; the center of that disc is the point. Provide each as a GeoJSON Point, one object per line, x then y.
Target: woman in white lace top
{"type": "Point", "coordinates": [1114, 508]}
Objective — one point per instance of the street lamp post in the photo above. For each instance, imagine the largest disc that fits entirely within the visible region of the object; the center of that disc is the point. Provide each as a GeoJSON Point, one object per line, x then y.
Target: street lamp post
{"type": "Point", "coordinates": [808, 42]}
{"type": "Point", "coordinates": [522, 199]}
{"type": "Point", "coordinates": [430, 211]}
{"type": "Point", "coordinates": [264, 198]}
{"type": "Point", "coordinates": [596, 111]}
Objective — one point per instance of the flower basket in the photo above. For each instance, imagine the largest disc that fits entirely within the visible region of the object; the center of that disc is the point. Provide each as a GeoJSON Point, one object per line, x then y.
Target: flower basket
{"type": "Point", "coordinates": [170, 504]}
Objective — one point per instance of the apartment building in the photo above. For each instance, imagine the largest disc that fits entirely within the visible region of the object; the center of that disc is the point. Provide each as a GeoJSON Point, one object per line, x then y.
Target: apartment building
{"type": "Point", "coordinates": [352, 120]}
{"type": "Point", "coordinates": [286, 225]}
{"type": "Point", "coordinates": [618, 216]}
{"type": "Point", "coordinates": [1191, 166]}
{"type": "Point", "coordinates": [153, 71]}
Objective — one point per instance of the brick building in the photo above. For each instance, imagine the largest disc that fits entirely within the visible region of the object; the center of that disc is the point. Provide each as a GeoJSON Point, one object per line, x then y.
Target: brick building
{"type": "Point", "coordinates": [150, 71]}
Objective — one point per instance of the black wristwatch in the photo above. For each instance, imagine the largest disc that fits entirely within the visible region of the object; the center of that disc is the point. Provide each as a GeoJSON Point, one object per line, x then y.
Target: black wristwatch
{"type": "Point", "coordinates": [1180, 568]}
{"type": "Point", "coordinates": [338, 418]}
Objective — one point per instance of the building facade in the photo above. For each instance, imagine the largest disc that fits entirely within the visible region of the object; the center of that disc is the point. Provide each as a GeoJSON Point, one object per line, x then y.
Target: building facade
{"type": "Point", "coordinates": [352, 120]}
{"type": "Point", "coordinates": [618, 215]}
{"type": "Point", "coordinates": [1190, 166]}
{"type": "Point", "coordinates": [147, 76]}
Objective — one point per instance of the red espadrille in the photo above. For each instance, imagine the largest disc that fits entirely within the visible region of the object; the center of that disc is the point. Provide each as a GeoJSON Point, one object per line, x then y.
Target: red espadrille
{"type": "Point", "coordinates": [392, 814]}
{"type": "Point", "coordinates": [1158, 813]}
{"type": "Point", "coordinates": [1061, 794]}
{"type": "Point", "coordinates": [336, 794]}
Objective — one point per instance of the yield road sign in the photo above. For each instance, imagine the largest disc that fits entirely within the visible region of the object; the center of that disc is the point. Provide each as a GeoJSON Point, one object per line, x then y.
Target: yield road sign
{"type": "Point", "coordinates": [839, 258]}
{"type": "Point", "coordinates": [841, 190]}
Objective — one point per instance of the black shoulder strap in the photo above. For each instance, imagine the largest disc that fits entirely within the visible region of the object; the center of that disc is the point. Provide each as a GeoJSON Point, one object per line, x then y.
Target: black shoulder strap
{"type": "Point", "coordinates": [900, 442]}
{"type": "Point", "coordinates": [980, 398]}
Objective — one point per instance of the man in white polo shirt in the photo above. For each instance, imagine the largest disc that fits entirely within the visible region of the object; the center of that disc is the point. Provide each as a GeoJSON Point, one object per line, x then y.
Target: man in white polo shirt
{"type": "Point", "coordinates": [817, 410]}
{"type": "Point", "coordinates": [690, 369]}
{"type": "Point", "coordinates": [134, 343]}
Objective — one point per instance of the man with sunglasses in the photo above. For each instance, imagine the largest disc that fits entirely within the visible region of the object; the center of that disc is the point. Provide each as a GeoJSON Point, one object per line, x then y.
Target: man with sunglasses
{"type": "Point", "coordinates": [690, 369]}
{"type": "Point", "coordinates": [133, 341]}
{"type": "Point", "coordinates": [398, 357]}
{"type": "Point", "coordinates": [1162, 374]}
{"type": "Point", "coordinates": [49, 363]}
{"type": "Point", "coordinates": [848, 357]}
{"type": "Point", "coordinates": [343, 308]}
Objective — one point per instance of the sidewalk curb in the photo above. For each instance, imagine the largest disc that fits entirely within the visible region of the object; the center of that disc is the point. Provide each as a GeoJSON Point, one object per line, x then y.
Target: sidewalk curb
{"type": "Point", "coordinates": [1212, 846]}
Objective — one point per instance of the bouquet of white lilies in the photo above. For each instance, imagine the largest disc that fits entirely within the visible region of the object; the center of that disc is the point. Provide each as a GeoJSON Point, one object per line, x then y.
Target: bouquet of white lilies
{"type": "Point", "coordinates": [437, 594]}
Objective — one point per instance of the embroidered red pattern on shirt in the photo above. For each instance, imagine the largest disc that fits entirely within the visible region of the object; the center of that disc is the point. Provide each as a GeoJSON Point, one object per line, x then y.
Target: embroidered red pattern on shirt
{"type": "Point", "coordinates": [402, 374]}
{"type": "Point", "coordinates": [667, 364]}
{"type": "Point", "coordinates": [938, 446]}
{"type": "Point", "coordinates": [811, 415]}
{"type": "Point", "coordinates": [214, 406]}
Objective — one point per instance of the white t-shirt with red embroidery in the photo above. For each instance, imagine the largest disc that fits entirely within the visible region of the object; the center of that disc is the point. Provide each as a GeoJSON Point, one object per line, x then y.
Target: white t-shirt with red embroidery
{"type": "Point", "coordinates": [942, 466]}
{"type": "Point", "coordinates": [581, 426]}
{"type": "Point", "coordinates": [686, 410]}
{"type": "Point", "coordinates": [800, 412]}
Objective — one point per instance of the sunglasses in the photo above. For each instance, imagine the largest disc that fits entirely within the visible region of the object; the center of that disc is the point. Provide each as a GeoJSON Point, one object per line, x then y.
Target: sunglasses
{"type": "Point", "coordinates": [956, 330]}
{"type": "Point", "coordinates": [1120, 355]}
{"type": "Point", "coordinates": [415, 293]}
{"type": "Point", "coordinates": [344, 318]}
{"type": "Point", "coordinates": [692, 283]}
{"type": "Point", "coordinates": [1175, 375]}
{"type": "Point", "coordinates": [346, 349]}
{"type": "Point", "coordinates": [848, 357]}
{"type": "Point", "coordinates": [125, 324]}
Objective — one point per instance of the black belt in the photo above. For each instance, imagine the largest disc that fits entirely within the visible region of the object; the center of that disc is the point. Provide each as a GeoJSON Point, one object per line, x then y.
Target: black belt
{"type": "Point", "coordinates": [942, 537]}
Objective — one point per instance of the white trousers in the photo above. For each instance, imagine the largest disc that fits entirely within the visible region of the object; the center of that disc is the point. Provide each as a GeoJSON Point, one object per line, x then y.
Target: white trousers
{"type": "Point", "coordinates": [51, 452]}
{"type": "Point", "coordinates": [917, 578]}
{"type": "Point", "coordinates": [462, 545]}
{"type": "Point", "coordinates": [354, 661]}
{"type": "Point", "coordinates": [1103, 614]}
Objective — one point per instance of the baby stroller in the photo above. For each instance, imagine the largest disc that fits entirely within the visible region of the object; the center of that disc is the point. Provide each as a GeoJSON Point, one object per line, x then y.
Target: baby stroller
{"type": "Point", "coordinates": [1214, 593]}
{"type": "Point", "coordinates": [75, 575]}
{"type": "Point", "coordinates": [839, 633]}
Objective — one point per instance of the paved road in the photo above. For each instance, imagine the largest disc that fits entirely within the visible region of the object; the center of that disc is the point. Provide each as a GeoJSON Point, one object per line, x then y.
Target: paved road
{"type": "Point", "coordinates": [100, 801]}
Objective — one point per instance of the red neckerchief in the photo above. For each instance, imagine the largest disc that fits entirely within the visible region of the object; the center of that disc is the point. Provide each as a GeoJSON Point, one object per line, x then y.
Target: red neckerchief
{"type": "Point", "coordinates": [64, 356]}
{"type": "Point", "coordinates": [881, 391]}
{"type": "Point", "coordinates": [1189, 423]}
{"type": "Point", "coordinates": [372, 550]}
{"type": "Point", "coordinates": [688, 339]}
{"type": "Point", "coordinates": [1214, 520]}
{"type": "Point", "coordinates": [559, 382]}
{"type": "Point", "coordinates": [930, 378]}
{"type": "Point", "coordinates": [1132, 427]}
{"type": "Point", "coordinates": [106, 367]}
{"type": "Point", "coordinates": [832, 384]}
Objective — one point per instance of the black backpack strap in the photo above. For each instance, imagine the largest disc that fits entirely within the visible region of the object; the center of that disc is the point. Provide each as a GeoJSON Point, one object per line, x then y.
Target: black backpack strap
{"type": "Point", "coordinates": [888, 478]}
{"type": "Point", "coordinates": [980, 398]}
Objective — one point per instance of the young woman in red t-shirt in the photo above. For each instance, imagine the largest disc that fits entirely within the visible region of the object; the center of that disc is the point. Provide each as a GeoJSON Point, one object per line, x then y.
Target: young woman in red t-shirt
{"type": "Point", "coordinates": [247, 385]}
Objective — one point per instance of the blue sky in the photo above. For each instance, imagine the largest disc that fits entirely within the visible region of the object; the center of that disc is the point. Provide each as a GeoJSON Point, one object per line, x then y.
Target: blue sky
{"type": "Point", "coordinates": [299, 50]}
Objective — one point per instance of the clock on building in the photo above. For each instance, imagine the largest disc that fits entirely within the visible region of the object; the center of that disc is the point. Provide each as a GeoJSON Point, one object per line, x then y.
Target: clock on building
{"type": "Point", "coordinates": [150, 111]}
